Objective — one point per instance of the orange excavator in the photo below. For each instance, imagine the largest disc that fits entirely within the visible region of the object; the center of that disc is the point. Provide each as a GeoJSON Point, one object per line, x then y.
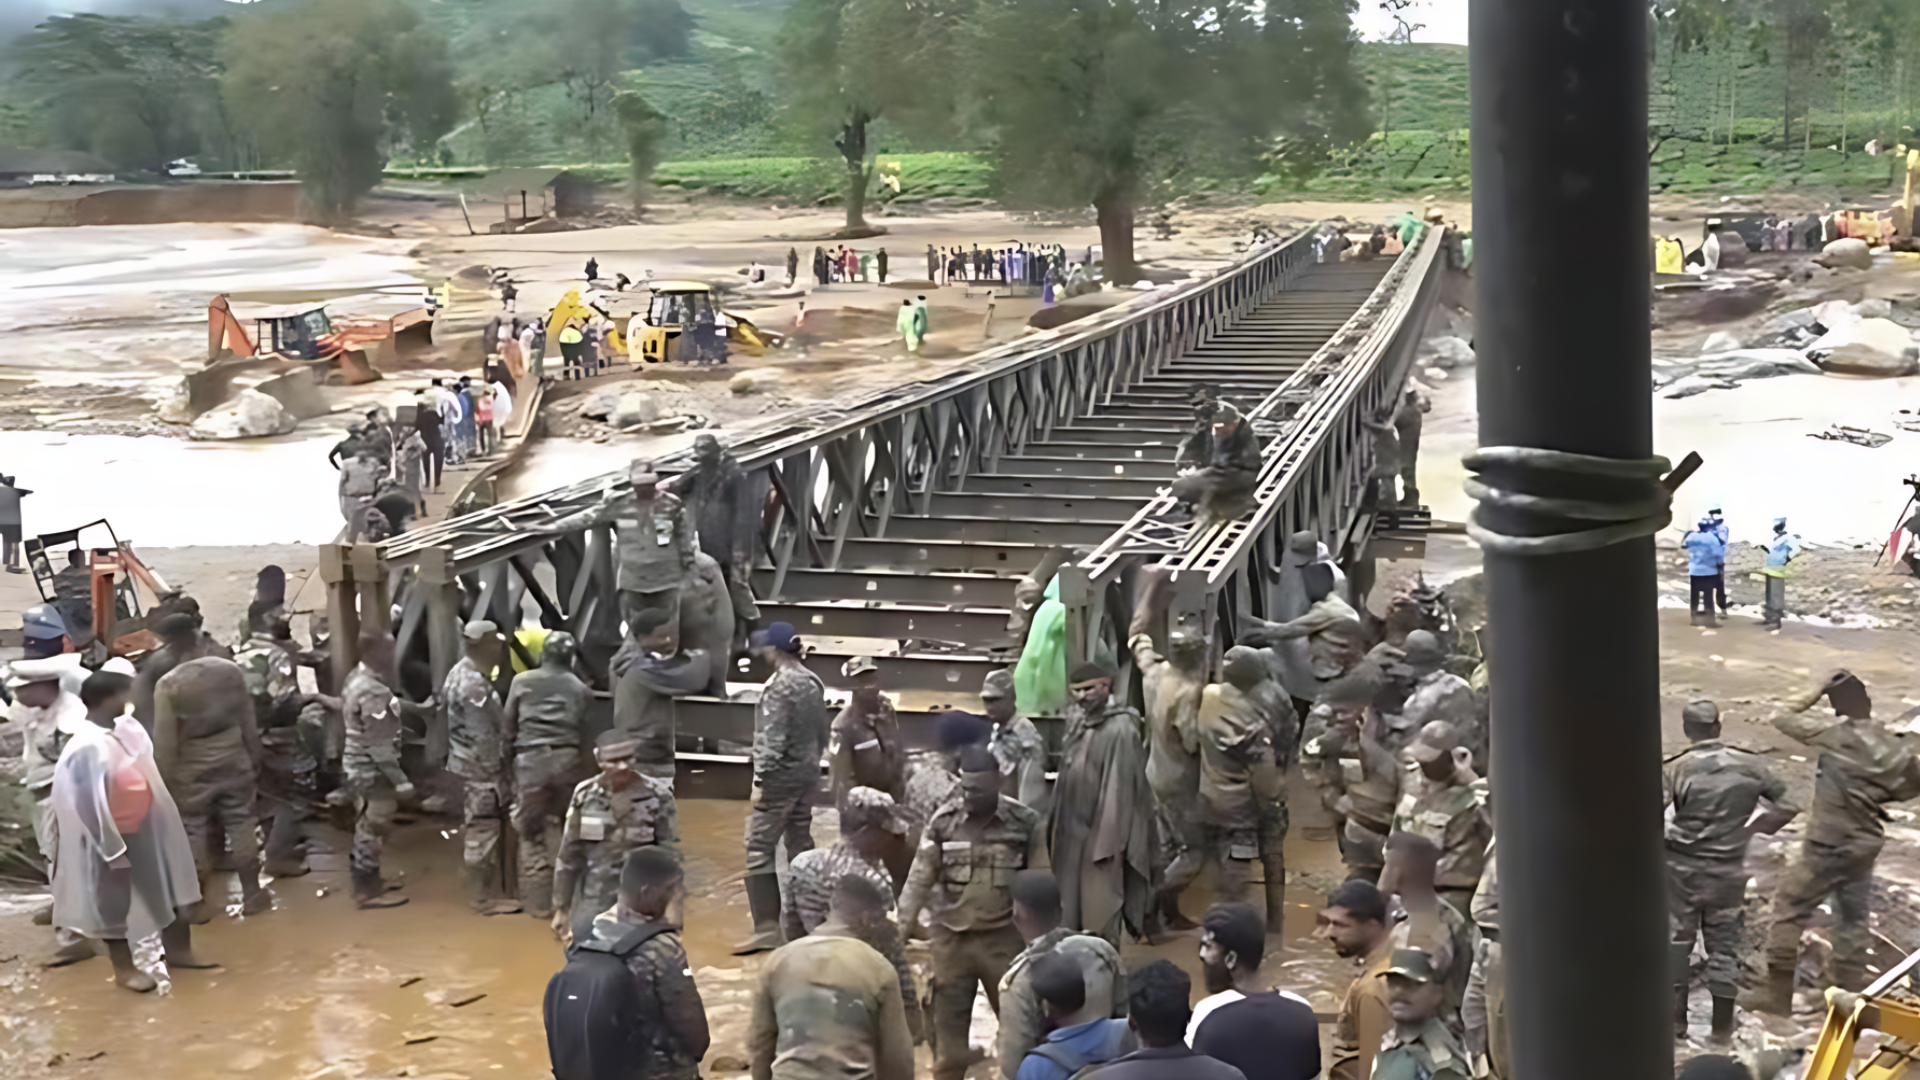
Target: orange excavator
{"type": "Point", "coordinates": [96, 583]}
{"type": "Point", "coordinates": [305, 344]}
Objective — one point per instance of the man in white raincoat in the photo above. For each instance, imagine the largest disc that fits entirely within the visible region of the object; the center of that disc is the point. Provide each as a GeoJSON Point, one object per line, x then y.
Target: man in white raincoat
{"type": "Point", "coordinates": [124, 870]}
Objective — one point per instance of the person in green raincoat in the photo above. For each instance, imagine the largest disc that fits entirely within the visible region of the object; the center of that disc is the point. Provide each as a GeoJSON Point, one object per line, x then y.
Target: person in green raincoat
{"type": "Point", "coordinates": [908, 324]}
{"type": "Point", "coordinates": [1040, 679]}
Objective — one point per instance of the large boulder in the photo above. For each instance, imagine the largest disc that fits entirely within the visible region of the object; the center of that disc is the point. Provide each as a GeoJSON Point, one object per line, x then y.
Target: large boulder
{"type": "Point", "coordinates": [1884, 335]}
{"type": "Point", "coordinates": [1720, 341]}
{"type": "Point", "coordinates": [600, 405]}
{"type": "Point", "coordinates": [1869, 361]}
{"type": "Point", "coordinates": [634, 408]}
{"type": "Point", "coordinates": [1448, 352]}
{"type": "Point", "coordinates": [250, 415]}
{"type": "Point", "coordinates": [1847, 252]}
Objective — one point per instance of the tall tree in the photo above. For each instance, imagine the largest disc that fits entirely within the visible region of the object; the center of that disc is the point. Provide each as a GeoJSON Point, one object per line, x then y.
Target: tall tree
{"type": "Point", "coordinates": [138, 91]}
{"type": "Point", "coordinates": [847, 64]}
{"type": "Point", "coordinates": [1103, 101]}
{"type": "Point", "coordinates": [337, 86]}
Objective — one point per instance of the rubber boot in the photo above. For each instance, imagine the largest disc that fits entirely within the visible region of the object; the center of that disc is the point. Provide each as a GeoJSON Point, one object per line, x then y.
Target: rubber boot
{"type": "Point", "coordinates": [255, 898]}
{"type": "Point", "coordinates": [1775, 994]}
{"type": "Point", "coordinates": [763, 900]}
{"type": "Point", "coordinates": [1722, 1021]}
{"type": "Point", "coordinates": [124, 972]}
{"type": "Point", "coordinates": [370, 892]}
{"type": "Point", "coordinates": [1680, 1012]}
{"type": "Point", "coordinates": [479, 882]}
{"type": "Point", "coordinates": [177, 940]}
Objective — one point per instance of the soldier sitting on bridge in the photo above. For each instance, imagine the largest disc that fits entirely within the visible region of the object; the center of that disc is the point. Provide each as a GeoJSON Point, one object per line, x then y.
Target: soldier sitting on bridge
{"type": "Point", "coordinates": [1223, 489]}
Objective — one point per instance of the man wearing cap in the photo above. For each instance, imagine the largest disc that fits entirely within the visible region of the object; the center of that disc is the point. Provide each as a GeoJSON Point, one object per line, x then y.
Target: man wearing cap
{"type": "Point", "coordinates": [1713, 791]}
{"type": "Point", "coordinates": [609, 816]}
{"type": "Point", "coordinates": [545, 718]}
{"type": "Point", "coordinates": [45, 633]}
{"type": "Point", "coordinates": [863, 750]}
{"type": "Point", "coordinates": [726, 504]}
{"type": "Point", "coordinates": [370, 714]}
{"type": "Point", "coordinates": [206, 745]}
{"type": "Point", "coordinates": [181, 640]}
{"type": "Point", "coordinates": [649, 671]}
{"type": "Point", "coordinates": [1782, 548]}
{"type": "Point", "coordinates": [1439, 695]}
{"type": "Point", "coordinates": [1292, 656]}
{"type": "Point", "coordinates": [360, 477]}
{"type": "Point", "coordinates": [1246, 729]}
{"type": "Point", "coordinates": [789, 732]}
{"type": "Point", "coordinates": [1420, 1046]}
{"type": "Point", "coordinates": [47, 714]}
{"type": "Point", "coordinates": [1102, 829]}
{"type": "Point", "coordinates": [478, 749]}
{"type": "Point", "coordinates": [1862, 768]}
{"type": "Point", "coordinates": [655, 545]}
{"type": "Point", "coordinates": [1448, 806]}
{"type": "Point", "coordinates": [1171, 687]}
{"type": "Point", "coordinates": [870, 827]}
{"type": "Point", "coordinates": [1016, 743]}
{"type": "Point", "coordinates": [963, 876]}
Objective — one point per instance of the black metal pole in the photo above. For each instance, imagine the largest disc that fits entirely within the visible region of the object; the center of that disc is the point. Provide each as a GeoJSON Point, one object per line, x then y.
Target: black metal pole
{"type": "Point", "coordinates": [1562, 333]}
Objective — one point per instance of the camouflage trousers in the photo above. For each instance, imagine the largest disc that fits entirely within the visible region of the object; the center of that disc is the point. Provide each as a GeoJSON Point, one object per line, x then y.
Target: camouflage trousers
{"type": "Point", "coordinates": [1844, 872]}
{"type": "Point", "coordinates": [1707, 901]}
{"type": "Point", "coordinates": [543, 781]}
{"type": "Point", "coordinates": [374, 805]}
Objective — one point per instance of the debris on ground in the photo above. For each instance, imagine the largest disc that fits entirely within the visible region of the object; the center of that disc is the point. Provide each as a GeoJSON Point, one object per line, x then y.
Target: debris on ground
{"type": "Point", "coordinates": [251, 414]}
{"type": "Point", "coordinates": [1857, 436]}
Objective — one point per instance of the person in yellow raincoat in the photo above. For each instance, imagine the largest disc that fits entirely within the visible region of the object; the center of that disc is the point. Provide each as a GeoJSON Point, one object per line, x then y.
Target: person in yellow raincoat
{"type": "Point", "coordinates": [908, 324]}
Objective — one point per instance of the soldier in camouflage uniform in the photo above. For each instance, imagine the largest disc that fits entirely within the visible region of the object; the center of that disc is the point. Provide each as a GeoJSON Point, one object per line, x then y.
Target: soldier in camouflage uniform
{"type": "Point", "coordinates": [289, 767]}
{"type": "Point", "coordinates": [609, 817]}
{"type": "Point", "coordinates": [1712, 790]}
{"type": "Point", "coordinates": [207, 749]}
{"type": "Point", "coordinates": [1862, 768]}
{"type": "Point", "coordinates": [789, 732]}
{"type": "Point", "coordinates": [1420, 1046]}
{"type": "Point", "coordinates": [1171, 687]}
{"type": "Point", "coordinates": [654, 548]}
{"type": "Point", "coordinates": [870, 823]}
{"type": "Point", "coordinates": [963, 876]}
{"type": "Point", "coordinates": [1448, 805]}
{"type": "Point", "coordinates": [546, 714]}
{"type": "Point", "coordinates": [864, 750]}
{"type": "Point", "coordinates": [1359, 781]}
{"type": "Point", "coordinates": [1440, 695]}
{"type": "Point", "coordinates": [1242, 776]}
{"type": "Point", "coordinates": [478, 749]}
{"type": "Point", "coordinates": [370, 763]}
{"type": "Point", "coordinates": [1016, 744]}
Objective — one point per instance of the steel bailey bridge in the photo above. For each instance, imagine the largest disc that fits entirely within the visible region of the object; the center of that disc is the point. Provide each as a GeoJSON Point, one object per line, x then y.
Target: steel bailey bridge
{"type": "Point", "coordinates": [898, 523]}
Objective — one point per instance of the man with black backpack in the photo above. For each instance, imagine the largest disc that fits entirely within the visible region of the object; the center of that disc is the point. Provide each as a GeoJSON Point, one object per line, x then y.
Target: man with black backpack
{"type": "Point", "coordinates": [625, 1006]}
{"type": "Point", "coordinates": [1083, 1034]}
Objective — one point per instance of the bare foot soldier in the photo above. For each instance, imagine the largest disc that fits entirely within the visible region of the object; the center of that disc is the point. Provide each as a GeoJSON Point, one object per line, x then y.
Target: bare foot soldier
{"type": "Point", "coordinates": [963, 877]}
{"type": "Point", "coordinates": [1862, 768]}
{"type": "Point", "coordinates": [1712, 793]}
{"type": "Point", "coordinates": [1016, 744]}
{"type": "Point", "coordinates": [545, 717]}
{"type": "Point", "coordinates": [609, 817]}
{"type": "Point", "coordinates": [1171, 687]}
{"type": "Point", "coordinates": [1246, 728]}
{"type": "Point", "coordinates": [1101, 835]}
{"type": "Point", "coordinates": [370, 763]}
{"type": "Point", "coordinates": [207, 748]}
{"type": "Point", "coordinates": [789, 731]}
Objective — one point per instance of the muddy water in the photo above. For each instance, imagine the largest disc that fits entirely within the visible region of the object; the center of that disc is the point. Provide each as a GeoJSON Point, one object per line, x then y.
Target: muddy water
{"type": "Point", "coordinates": [317, 989]}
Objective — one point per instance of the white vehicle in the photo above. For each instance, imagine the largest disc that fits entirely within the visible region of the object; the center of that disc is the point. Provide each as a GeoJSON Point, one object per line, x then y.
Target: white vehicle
{"type": "Point", "coordinates": [182, 167]}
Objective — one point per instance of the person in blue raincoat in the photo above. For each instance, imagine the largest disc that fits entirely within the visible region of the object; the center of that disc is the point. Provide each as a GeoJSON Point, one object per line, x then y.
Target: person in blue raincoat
{"type": "Point", "coordinates": [1706, 561]}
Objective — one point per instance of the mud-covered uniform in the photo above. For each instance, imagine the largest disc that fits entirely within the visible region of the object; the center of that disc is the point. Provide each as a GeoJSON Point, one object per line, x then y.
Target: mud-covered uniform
{"type": "Point", "coordinates": [603, 827]}
{"type": "Point", "coordinates": [1712, 790]}
{"type": "Point", "coordinates": [1862, 768]}
{"type": "Point", "coordinates": [477, 754]}
{"type": "Point", "coordinates": [963, 875]}
{"type": "Point", "coordinates": [549, 709]}
{"type": "Point", "coordinates": [1022, 754]}
{"type": "Point", "coordinates": [1456, 818]}
{"type": "Point", "coordinates": [370, 765]}
{"type": "Point", "coordinates": [207, 749]}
